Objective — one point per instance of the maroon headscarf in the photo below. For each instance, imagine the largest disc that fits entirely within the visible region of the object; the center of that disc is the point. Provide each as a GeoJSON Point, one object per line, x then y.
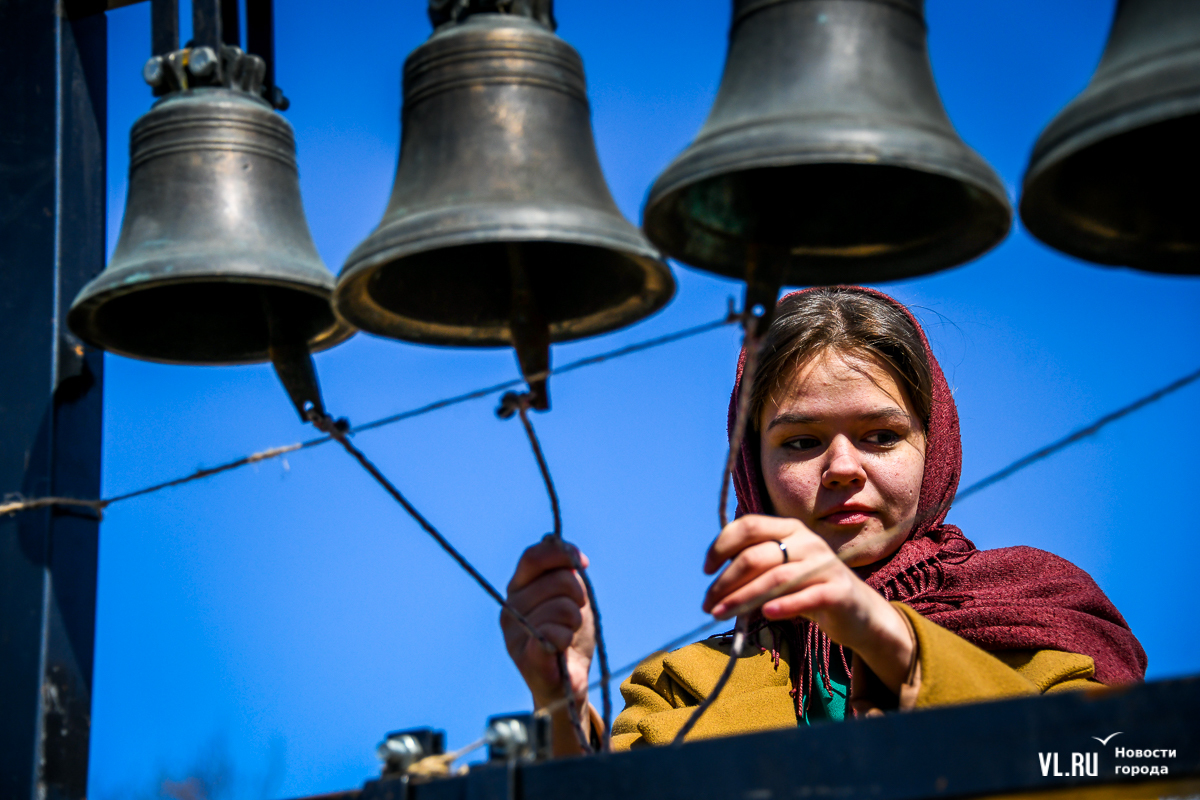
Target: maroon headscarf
{"type": "Point", "coordinates": [1005, 599]}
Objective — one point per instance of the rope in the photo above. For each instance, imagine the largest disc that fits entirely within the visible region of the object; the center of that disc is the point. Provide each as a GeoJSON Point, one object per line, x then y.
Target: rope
{"type": "Point", "coordinates": [1072, 438]}
{"type": "Point", "coordinates": [1000, 475]}
{"type": "Point", "coordinates": [14, 506]}
{"type": "Point", "coordinates": [338, 430]}
{"type": "Point", "coordinates": [440, 766]}
{"type": "Point", "coordinates": [735, 651]}
{"type": "Point", "coordinates": [274, 452]}
{"type": "Point", "coordinates": [522, 405]}
{"type": "Point", "coordinates": [752, 343]}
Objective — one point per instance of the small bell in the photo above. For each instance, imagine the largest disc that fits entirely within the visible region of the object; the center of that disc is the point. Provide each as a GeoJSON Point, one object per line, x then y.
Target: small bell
{"type": "Point", "coordinates": [1113, 177]}
{"type": "Point", "coordinates": [827, 156]}
{"type": "Point", "coordinates": [215, 263]}
{"type": "Point", "coordinates": [500, 229]}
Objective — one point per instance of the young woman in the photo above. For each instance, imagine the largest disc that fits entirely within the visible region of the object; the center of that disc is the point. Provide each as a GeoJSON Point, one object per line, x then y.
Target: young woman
{"type": "Point", "coordinates": [843, 484]}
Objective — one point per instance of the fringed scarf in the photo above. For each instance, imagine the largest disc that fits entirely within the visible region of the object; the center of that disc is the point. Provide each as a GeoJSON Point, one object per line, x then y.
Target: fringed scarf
{"type": "Point", "coordinates": [1004, 599]}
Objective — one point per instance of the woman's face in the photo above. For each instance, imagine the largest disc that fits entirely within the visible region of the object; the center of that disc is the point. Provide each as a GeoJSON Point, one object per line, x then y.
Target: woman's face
{"type": "Point", "coordinates": [843, 451]}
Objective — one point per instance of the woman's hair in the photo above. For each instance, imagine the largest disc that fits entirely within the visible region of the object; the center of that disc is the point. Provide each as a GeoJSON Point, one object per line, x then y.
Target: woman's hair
{"type": "Point", "coordinates": [850, 322]}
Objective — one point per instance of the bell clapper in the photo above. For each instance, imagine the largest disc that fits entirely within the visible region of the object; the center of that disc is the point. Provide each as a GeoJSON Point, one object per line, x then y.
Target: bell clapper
{"type": "Point", "coordinates": [292, 361]}
{"type": "Point", "coordinates": [765, 267]}
{"type": "Point", "coordinates": [530, 333]}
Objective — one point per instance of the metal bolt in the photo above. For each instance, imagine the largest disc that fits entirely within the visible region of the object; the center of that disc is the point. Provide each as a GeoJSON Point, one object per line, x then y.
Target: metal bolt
{"type": "Point", "coordinates": [202, 62]}
{"type": "Point", "coordinates": [405, 749]}
{"type": "Point", "coordinates": [154, 72]}
{"type": "Point", "coordinates": [401, 749]}
{"type": "Point", "coordinates": [509, 733]}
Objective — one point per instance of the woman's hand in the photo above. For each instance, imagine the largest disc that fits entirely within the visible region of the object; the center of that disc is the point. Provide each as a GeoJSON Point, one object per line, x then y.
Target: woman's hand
{"type": "Point", "coordinates": [826, 591]}
{"type": "Point", "coordinates": [546, 590]}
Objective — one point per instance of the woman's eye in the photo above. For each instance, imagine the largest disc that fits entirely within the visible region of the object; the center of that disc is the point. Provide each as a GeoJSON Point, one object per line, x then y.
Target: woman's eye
{"type": "Point", "coordinates": [802, 443]}
{"type": "Point", "coordinates": [883, 438]}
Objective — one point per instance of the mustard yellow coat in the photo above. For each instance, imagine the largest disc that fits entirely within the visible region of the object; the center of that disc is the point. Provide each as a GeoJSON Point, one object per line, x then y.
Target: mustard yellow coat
{"type": "Point", "coordinates": [947, 669]}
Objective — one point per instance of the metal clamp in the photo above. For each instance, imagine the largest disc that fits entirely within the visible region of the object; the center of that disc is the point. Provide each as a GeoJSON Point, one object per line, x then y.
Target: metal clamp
{"type": "Point", "coordinates": [193, 67]}
{"type": "Point", "coordinates": [518, 737]}
{"type": "Point", "coordinates": [442, 12]}
{"type": "Point", "coordinates": [401, 749]}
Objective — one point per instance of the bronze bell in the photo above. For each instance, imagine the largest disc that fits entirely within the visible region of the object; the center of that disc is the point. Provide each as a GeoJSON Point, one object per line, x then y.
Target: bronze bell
{"type": "Point", "coordinates": [828, 153]}
{"type": "Point", "coordinates": [214, 259]}
{"type": "Point", "coordinates": [500, 229]}
{"type": "Point", "coordinates": [1113, 177]}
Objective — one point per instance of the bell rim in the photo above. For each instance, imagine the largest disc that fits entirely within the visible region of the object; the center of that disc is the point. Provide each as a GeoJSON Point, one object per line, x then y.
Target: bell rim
{"type": "Point", "coordinates": [87, 303]}
{"type": "Point", "coordinates": [659, 287]}
{"type": "Point", "coordinates": [1092, 132]}
{"type": "Point", "coordinates": [1049, 223]}
{"type": "Point", "coordinates": [997, 217]}
{"type": "Point", "coordinates": [971, 168]}
{"type": "Point", "coordinates": [1164, 86]}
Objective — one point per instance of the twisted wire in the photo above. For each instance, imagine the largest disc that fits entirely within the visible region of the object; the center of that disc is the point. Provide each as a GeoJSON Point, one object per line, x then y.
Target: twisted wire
{"type": "Point", "coordinates": [752, 342]}
{"type": "Point", "coordinates": [1075, 436]}
{"type": "Point", "coordinates": [521, 403]}
{"type": "Point", "coordinates": [735, 651]}
{"type": "Point", "coordinates": [98, 505]}
{"type": "Point", "coordinates": [752, 345]}
{"type": "Point", "coordinates": [338, 430]}
{"type": "Point", "coordinates": [988, 481]}
{"type": "Point", "coordinates": [601, 648]}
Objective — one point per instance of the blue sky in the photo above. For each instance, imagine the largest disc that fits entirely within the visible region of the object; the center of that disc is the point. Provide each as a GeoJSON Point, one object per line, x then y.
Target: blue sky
{"type": "Point", "coordinates": [287, 615]}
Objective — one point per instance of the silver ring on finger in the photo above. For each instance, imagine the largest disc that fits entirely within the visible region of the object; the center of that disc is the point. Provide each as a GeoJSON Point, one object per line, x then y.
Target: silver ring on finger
{"type": "Point", "coordinates": [783, 549]}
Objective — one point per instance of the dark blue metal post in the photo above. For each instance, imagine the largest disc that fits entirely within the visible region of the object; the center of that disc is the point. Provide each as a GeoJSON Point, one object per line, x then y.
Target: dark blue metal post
{"type": "Point", "coordinates": [52, 189]}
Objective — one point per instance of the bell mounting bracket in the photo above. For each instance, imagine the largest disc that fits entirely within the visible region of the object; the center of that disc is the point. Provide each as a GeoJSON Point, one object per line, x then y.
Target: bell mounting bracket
{"type": "Point", "coordinates": [214, 57]}
{"type": "Point", "coordinates": [448, 12]}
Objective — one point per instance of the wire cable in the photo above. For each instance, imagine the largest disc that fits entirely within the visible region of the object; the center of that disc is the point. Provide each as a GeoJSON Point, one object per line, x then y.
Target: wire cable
{"type": "Point", "coordinates": [14, 502]}
{"type": "Point", "coordinates": [1000, 475]}
{"type": "Point", "coordinates": [521, 404]}
{"type": "Point", "coordinates": [752, 342]}
{"type": "Point", "coordinates": [338, 431]}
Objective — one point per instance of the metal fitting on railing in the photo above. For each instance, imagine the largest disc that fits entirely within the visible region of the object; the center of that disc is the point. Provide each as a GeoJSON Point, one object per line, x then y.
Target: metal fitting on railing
{"type": "Point", "coordinates": [518, 737]}
{"type": "Point", "coordinates": [401, 749]}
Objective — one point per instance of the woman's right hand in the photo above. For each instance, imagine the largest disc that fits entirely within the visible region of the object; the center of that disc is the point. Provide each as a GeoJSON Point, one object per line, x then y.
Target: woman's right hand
{"type": "Point", "coordinates": [548, 592]}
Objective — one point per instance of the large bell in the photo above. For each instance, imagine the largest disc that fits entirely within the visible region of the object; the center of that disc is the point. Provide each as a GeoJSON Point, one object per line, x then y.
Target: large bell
{"type": "Point", "coordinates": [500, 229]}
{"type": "Point", "coordinates": [215, 259]}
{"type": "Point", "coordinates": [827, 150]}
{"type": "Point", "coordinates": [1113, 177]}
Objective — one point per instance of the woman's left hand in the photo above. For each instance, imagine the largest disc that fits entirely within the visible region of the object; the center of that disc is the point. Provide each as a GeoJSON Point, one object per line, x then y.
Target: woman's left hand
{"type": "Point", "coordinates": [827, 591]}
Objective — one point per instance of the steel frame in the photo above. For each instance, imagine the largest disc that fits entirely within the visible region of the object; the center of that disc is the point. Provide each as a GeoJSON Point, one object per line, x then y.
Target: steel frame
{"type": "Point", "coordinates": [52, 192]}
{"type": "Point", "coordinates": [52, 241]}
{"type": "Point", "coordinates": [990, 750]}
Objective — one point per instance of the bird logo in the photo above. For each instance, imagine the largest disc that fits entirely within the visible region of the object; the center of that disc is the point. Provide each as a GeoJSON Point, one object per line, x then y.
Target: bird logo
{"type": "Point", "coordinates": [1106, 739]}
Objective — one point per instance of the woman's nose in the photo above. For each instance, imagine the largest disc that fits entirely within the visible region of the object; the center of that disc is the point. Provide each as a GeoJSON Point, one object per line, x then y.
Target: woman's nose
{"type": "Point", "coordinates": [844, 467]}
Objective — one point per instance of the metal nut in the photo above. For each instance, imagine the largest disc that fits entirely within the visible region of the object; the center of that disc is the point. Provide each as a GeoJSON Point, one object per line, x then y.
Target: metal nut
{"type": "Point", "coordinates": [154, 73]}
{"type": "Point", "coordinates": [202, 62]}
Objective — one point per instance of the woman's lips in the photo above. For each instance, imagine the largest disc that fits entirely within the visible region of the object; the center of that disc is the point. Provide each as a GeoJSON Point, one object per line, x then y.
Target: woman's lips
{"type": "Point", "coordinates": [851, 516]}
